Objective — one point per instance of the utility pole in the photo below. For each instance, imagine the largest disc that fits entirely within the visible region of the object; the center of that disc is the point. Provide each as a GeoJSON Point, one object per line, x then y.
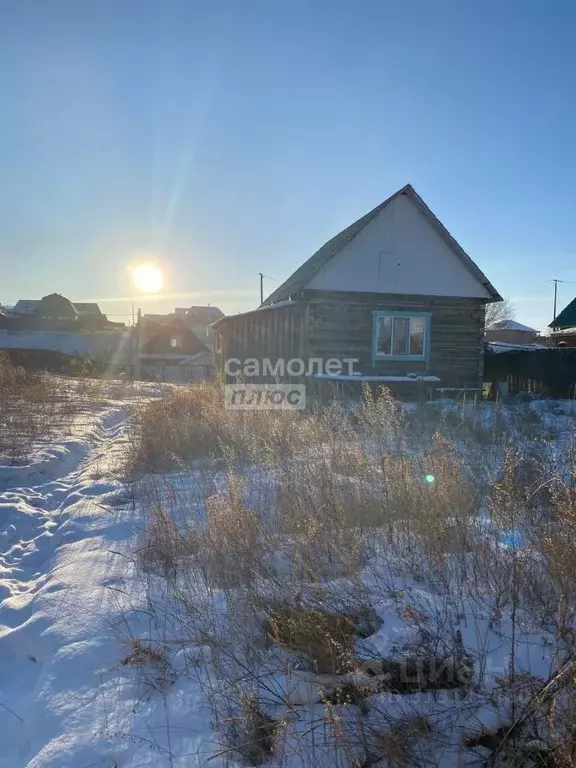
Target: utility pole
{"type": "Point", "coordinates": [261, 287]}
{"type": "Point", "coordinates": [555, 296]}
{"type": "Point", "coordinates": [137, 343]}
{"type": "Point", "coordinates": [555, 281]}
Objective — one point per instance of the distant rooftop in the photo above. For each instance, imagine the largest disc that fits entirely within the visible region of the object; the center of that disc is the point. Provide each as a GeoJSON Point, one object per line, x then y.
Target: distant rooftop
{"type": "Point", "coordinates": [29, 306]}
{"type": "Point", "coordinates": [25, 306]}
{"type": "Point", "coordinates": [85, 308]}
{"type": "Point", "coordinates": [192, 316]}
{"type": "Point", "coordinates": [512, 325]}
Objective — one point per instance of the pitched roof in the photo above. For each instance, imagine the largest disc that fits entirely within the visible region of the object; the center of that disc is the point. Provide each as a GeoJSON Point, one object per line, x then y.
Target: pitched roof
{"type": "Point", "coordinates": [205, 315]}
{"type": "Point", "coordinates": [512, 325]}
{"type": "Point", "coordinates": [87, 308]}
{"type": "Point", "coordinates": [304, 274]}
{"type": "Point", "coordinates": [566, 318]}
{"type": "Point", "coordinates": [25, 305]}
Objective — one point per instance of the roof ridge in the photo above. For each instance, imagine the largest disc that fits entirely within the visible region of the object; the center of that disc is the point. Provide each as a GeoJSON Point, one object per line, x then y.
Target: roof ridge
{"type": "Point", "coordinates": [310, 268]}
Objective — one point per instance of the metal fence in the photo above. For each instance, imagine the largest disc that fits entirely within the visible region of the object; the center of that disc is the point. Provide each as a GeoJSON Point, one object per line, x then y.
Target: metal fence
{"type": "Point", "coordinates": [549, 372]}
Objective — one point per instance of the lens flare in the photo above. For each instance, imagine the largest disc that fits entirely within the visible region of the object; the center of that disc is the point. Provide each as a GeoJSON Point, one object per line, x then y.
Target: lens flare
{"type": "Point", "coordinates": [147, 278]}
{"type": "Point", "coordinates": [512, 539]}
{"type": "Point", "coordinates": [430, 478]}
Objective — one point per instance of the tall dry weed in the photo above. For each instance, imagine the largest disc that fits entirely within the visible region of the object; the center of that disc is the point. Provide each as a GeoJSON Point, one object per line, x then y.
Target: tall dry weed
{"type": "Point", "coordinates": [33, 408]}
{"type": "Point", "coordinates": [332, 513]}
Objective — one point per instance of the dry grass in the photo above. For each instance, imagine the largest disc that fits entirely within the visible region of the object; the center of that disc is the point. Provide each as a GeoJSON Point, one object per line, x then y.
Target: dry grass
{"type": "Point", "coordinates": [141, 655]}
{"type": "Point", "coordinates": [297, 527]}
{"type": "Point", "coordinates": [189, 424]}
{"type": "Point", "coordinates": [33, 407]}
{"type": "Point", "coordinates": [325, 638]}
{"type": "Point", "coordinates": [36, 407]}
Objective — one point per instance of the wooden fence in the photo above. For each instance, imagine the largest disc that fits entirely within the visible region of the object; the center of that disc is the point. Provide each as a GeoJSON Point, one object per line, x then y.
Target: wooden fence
{"type": "Point", "coordinates": [549, 372]}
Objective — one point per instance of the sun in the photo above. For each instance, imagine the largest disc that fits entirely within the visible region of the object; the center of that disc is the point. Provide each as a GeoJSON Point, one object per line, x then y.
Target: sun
{"type": "Point", "coordinates": [147, 278]}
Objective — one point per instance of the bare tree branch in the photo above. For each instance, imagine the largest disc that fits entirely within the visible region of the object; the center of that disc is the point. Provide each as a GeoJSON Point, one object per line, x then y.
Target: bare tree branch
{"type": "Point", "coordinates": [499, 312]}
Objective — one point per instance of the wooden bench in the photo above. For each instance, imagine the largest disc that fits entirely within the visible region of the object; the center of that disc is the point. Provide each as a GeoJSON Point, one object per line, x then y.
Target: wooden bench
{"type": "Point", "coordinates": [339, 383]}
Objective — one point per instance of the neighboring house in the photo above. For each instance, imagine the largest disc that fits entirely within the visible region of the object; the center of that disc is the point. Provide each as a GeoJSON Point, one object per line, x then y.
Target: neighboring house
{"type": "Point", "coordinates": [199, 320]}
{"type": "Point", "coordinates": [55, 324]}
{"type": "Point", "coordinates": [56, 312]}
{"type": "Point", "coordinates": [394, 290]}
{"type": "Point", "coordinates": [564, 327]}
{"type": "Point", "coordinates": [172, 350]}
{"type": "Point", "coordinates": [511, 332]}
{"type": "Point", "coordinates": [57, 308]}
{"type": "Point", "coordinates": [90, 313]}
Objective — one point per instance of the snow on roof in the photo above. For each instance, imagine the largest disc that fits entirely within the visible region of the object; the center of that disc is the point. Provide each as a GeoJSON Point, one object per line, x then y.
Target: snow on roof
{"type": "Point", "coordinates": [25, 305]}
{"type": "Point", "coordinates": [512, 325]}
{"type": "Point", "coordinates": [262, 308]}
{"type": "Point", "coordinates": [283, 303]}
{"type": "Point", "coordinates": [502, 346]}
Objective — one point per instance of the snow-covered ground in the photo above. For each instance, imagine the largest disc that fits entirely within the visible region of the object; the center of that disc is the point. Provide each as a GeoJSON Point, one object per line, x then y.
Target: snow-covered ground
{"type": "Point", "coordinates": [65, 524]}
{"type": "Point", "coordinates": [72, 605]}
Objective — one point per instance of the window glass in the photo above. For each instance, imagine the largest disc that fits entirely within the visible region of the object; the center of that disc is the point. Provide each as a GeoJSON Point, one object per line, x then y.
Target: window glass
{"type": "Point", "coordinates": [400, 336]}
{"type": "Point", "coordinates": [417, 330]}
{"type": "Point", "coordinates": [384, 344]}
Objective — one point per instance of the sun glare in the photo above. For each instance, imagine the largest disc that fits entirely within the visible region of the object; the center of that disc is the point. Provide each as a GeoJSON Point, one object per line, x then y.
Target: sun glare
{"type": "Point", "coordinates": [147, 278]}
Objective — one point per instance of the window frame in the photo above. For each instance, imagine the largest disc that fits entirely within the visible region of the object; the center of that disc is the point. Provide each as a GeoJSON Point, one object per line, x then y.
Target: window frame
{"type": "Point", "coordinates": [401, 313]}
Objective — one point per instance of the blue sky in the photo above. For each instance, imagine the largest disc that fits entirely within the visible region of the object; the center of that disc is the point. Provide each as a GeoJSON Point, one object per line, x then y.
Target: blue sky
{"type": "Point", "coordinates": [236, 137]}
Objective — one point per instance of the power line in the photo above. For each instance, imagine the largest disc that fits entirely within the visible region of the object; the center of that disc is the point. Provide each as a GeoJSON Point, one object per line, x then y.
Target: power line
{"type": "Point", "coordinates": [268, 277]}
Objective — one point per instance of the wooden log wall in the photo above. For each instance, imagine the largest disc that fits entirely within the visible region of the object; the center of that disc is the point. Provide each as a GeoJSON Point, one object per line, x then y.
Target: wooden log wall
{"type": "Point", "coordinates": [340, 325]}
{"type": "Point", "coordinates": [266, 334]}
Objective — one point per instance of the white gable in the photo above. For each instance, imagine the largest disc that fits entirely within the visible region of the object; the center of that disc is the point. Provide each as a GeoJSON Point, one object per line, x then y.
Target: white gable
{"type": "Point", "coordinates": [399, 252]}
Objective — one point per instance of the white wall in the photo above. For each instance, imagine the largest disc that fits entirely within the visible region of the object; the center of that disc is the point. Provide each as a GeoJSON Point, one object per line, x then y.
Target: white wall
{"type": "Point", "coordinates": [111, 346]}
{"type": "Point", "coordinates": [183, 374]}
{"type": "Point", "coordinates": [399, 252]}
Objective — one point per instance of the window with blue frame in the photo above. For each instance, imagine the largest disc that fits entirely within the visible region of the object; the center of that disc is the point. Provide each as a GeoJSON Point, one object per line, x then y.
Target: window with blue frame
{"type": "Point", "coordinates": [399, 335]}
